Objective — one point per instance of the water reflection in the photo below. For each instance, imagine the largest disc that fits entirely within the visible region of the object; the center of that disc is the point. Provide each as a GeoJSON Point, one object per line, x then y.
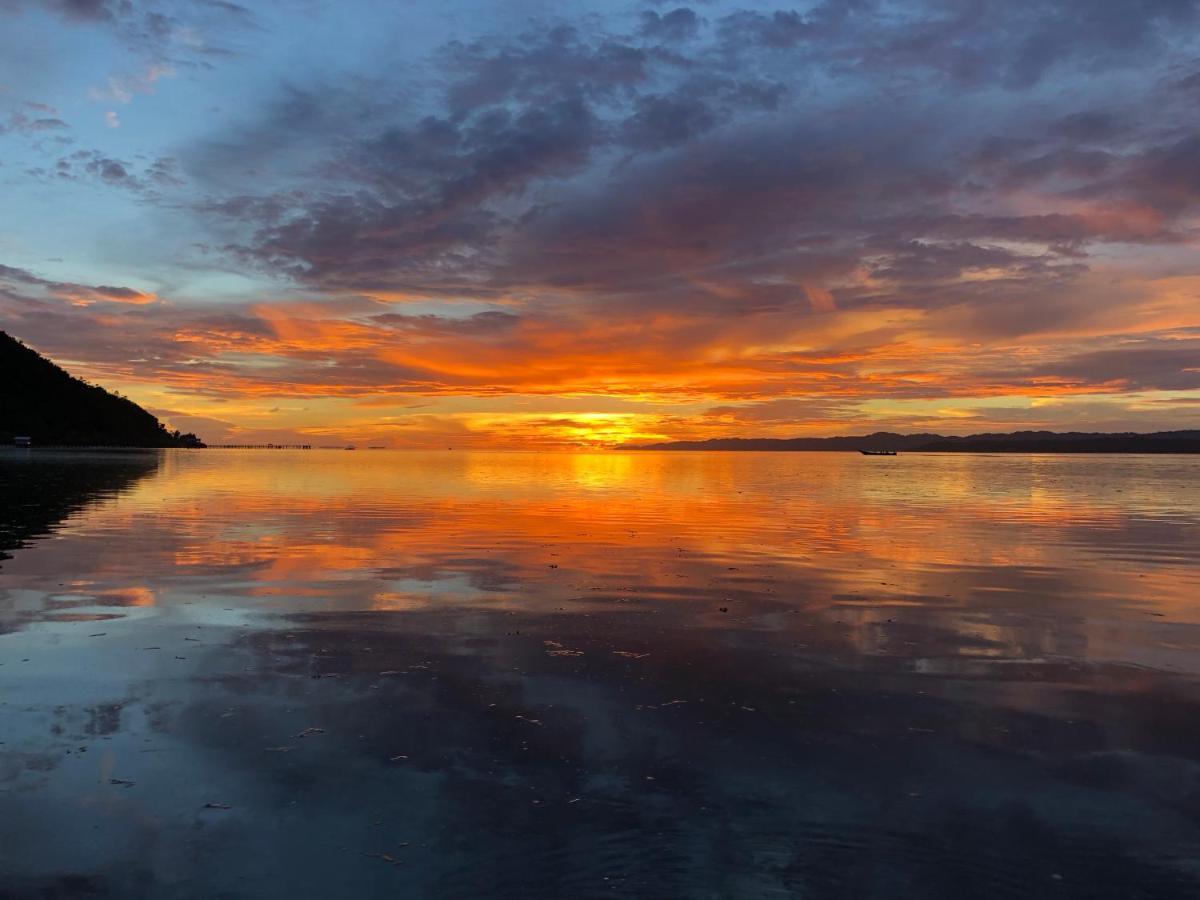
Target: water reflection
{"type": "Point", "coordinates": [42, 489]}
{"type": "Point", "coordinates": [619, 675]}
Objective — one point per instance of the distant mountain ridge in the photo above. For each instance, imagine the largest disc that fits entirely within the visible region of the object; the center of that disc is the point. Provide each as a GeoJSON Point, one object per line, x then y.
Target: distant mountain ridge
{"type": "Point", "coordinates": [1013, 442]}
{"type": "Point", "coordinates": [42, 401]}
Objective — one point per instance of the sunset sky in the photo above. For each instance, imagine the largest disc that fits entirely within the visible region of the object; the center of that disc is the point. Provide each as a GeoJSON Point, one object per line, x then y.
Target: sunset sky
{"type": "Point", "coordinates": [543, 224]}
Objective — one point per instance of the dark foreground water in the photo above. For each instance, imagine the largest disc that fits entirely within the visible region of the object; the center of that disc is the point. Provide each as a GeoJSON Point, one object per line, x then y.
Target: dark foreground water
{"type": "Point", "coordinates": [375, 674]}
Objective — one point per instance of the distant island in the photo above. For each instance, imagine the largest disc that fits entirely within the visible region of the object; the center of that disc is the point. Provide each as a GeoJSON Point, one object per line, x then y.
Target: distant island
{"type": "Point", "coordinates": [1015, 442]}
{"type": "Point", "coordinates": [49, 407]}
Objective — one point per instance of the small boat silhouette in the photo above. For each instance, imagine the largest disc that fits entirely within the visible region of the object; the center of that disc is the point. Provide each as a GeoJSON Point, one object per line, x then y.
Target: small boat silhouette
{"type": "Point", "coordinates": [877, 452]}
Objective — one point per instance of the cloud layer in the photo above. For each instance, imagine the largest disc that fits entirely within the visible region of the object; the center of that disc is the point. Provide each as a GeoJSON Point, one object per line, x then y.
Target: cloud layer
{"type": "Point", "coordinates": [695, 220]}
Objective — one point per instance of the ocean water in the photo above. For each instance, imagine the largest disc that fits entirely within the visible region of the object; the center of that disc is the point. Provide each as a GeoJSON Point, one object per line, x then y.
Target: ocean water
{"type": "Point", "coordinates": [270, 674]}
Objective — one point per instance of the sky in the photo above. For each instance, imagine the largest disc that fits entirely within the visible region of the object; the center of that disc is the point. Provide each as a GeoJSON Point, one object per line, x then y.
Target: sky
{"type": "Point", "coordinates": [545, 224]}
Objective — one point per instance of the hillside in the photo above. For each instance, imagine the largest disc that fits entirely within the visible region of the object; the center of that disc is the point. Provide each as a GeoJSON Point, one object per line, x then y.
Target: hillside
{"type": "Point", "coordinates": [1070, 442]}
{"type": "Point", "coordinates": [1016, 442]}
{"type": "Point", "coordinates": [40, 400]}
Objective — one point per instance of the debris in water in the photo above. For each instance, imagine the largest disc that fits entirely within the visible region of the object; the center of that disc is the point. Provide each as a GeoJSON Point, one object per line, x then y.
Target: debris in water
{"type": "Point", "coordinates": [310, 730]}
{"type": "Point", "coordinates": [554, 648]}
{"type": "Point", "coordinates": [121, 781]}
{"type": "Point", "coordinates": [386, 857]}
{"type": "Point", "coordinates": [628, 654]}
{"type": "Point", "coordinates": [215, 805]}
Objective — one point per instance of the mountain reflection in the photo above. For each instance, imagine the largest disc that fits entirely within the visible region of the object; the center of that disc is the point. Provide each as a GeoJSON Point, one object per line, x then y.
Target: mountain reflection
{"type": "Point", "coordinates": [42, 489]}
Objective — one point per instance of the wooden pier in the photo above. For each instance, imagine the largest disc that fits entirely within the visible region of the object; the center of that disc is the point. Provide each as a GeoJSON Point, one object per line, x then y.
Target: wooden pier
{"type": "Point", "coordinates": [260, 446]}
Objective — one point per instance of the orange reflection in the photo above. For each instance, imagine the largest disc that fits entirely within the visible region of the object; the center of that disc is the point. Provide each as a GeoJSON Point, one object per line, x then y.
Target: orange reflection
{"type": "Point", "coordinates": [832, 530]}
{"type": "Point", "coordinates": [990, 559]}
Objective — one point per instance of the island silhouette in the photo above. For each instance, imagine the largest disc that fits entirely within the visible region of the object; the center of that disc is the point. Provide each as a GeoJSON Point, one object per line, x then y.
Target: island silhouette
{"type": "Point", "coordinates": [1013, 442]}
{"type": "Point", "coordinates": [46, 405]}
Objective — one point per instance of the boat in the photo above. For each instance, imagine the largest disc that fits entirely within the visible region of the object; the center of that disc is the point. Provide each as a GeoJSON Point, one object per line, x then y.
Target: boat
{"type": "Point", "coordinates": [877, 452]}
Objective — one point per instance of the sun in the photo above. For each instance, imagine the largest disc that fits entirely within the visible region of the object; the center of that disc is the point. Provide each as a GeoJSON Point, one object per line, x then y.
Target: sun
{"type": "Point", "coordinates": [599, 430]}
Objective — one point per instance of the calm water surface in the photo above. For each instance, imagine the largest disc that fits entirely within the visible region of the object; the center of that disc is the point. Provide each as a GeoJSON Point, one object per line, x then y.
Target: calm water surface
{"type": "Point", "coordinates": [376, 674]}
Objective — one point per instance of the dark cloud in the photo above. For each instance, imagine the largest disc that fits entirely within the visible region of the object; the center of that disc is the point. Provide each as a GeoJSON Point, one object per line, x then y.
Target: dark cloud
{"type": "Point", "coordinates": [659, 122]}
{"type": "Point", "coordinates": [1168, 176]}
{"type": "Point", "coordinates": [1014, 163]}
{"type": "Point", "coordinates": [117, 293]}
{"type": "Point", "coordinates": [781, 29]}
{"type": "Point", "coordinates": [153, 30]}
{"type": "Point", "coordinates": [658, 186]}
{"type": "Point", "coordinates": [996, 43]}
{"type": "Point", "coordinates": [1088, 126]}
{"type": "Point", "coordinates": [89, 10]}
{"type": "Point", "coordinates": [491, 322]}
{"type": "Point", "coordinates": [543, 65]}
{"type": "Point", "coordinates": [915, 262]}
{"type": "Point", "coordinates": [676, 25]}
{"type": "Point", "coordinates": [22, 276]}
{"type": "Point", "coordinates": [1060, 232]}
{"type": "Point", "coordinates": [1146, 364]}
{"type": "Point", "coordinates": [21, 122]}
{"type": "Point", "coordinates": [147, 180]}
{"type": "Point", "coordinates": [569, 156]}
{"type": "Point", "coordinates": [109, 170]}
{"type": "Point", "coordinates": [1186, 85]}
